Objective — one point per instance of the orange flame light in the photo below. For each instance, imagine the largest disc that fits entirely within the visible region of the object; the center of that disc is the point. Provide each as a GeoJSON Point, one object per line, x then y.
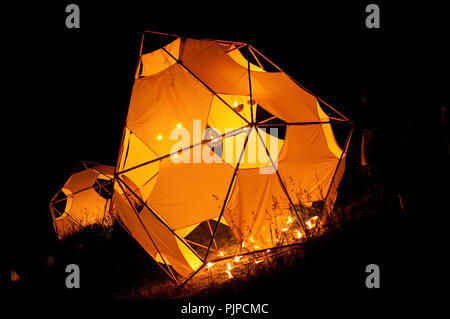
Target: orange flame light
{"type": "Point", "coordinates": [310, 221]}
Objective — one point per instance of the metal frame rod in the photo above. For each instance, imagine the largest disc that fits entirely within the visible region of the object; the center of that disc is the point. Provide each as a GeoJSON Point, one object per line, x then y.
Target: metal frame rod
{"type": "Point", "coordinates": [234, 132]}
{"type": "Point", "coordinates": [300, 85]}
{"type": "Point", "coordinates": [198, 38]}
{"type": "Point", "coordinates": [304, 123]}
{"type": "Point", "coordinates": [250, 85]}
{"type": "Point", "coordinates": [227, 195]}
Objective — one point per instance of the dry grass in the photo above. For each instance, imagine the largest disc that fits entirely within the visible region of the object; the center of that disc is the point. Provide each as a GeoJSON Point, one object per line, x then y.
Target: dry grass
{"type": "Point", "coordinates": [115, 266]}
{"type": "Point", "coordinates": [212, 278]}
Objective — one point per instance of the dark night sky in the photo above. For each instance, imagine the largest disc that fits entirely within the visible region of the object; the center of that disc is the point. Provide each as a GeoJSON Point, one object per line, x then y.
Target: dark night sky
{"type": "Point", "coordinates": [67, 90]}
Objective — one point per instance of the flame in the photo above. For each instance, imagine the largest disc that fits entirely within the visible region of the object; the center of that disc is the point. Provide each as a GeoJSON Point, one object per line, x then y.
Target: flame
{"type": "Point", "coordinates": [289, 220]}
{"type": "Point", "coordinates": [14, 276]}
{"type": "Point", "coordinates": [299, 234]}
{"type": "Point", "coordinates": [179, 125]}
{"type": "Point", "coordinates": [259, 261]}
{"type": "Point", "coordinates": [309, 222]}
{"type": "Point", "coordinates": [284, 229]}
{"type": "Point", "coordinates": [228, 266]}
{"type": "Point", "coordinates": [221, 253]}
{"type": "Point", "coordinates": [237, 258]}
{"type": "Point", "coordinates": [159, 137]}
{"type": "Point", "coordinates": [209, 265]}
{"type": "Point", "coordinates": [229, 274]}
{"type": "Point", "coordinates": [256, 246]}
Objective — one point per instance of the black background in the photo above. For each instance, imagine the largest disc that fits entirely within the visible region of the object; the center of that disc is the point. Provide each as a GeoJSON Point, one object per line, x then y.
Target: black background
{"type": "Point", "coordinates": [66, 91]}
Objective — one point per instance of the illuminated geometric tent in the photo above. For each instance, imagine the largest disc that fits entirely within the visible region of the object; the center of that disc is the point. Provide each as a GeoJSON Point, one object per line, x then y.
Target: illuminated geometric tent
{"type": "Point", "coordinates": [84, 199]}
{"type": "Point", "coordinates": [222, 154]}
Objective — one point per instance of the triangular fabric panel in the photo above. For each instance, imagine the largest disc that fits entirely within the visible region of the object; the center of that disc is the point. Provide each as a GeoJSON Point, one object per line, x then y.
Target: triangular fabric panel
{"type": "Point", "coordinates": [210, 62]}
{"type": "Point", "coordinates": [155, 235]}
{"type": "Point", "coordinates": [197, 188]}
{"type": "Point", "coordinates": [164, 101]}
{"type": "Point", "coordinates": [159, 60]}
{"type": "Point", "coordinates": [306, 164]}
{"type": "Point", "coordinates": [279, 95]}
{"type": "Point", "coordinates": [236, 55]}
{"type": "Point", "coordinates": [222, 117]}
{"type": "Point", "coordinates": [258, 210]}
{"type": "Point", "coordinates": [131, 220]}
{"type": "Point", "coordinates": [255, 154]}
{"type": "Point", "coordinates": [139, 164]}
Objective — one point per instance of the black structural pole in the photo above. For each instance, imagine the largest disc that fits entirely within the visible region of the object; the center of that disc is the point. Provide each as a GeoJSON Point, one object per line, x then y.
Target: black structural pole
{"type": "Point", "coordinates": [224, 135]}
{"type": "Point", "coordinates": [250, 85]}
{"type": "Point", "coordinates": [231, 133]}
{"type": "Point", "coordinates": [305, 123]}
{"type": "Point", "coordinates": [227, 195]}
{"type": "Point", "coordinates": [296, 82]}
{"type": "Point", "coordinates": [249, 253]}
{"type": "Point", "coordinates": [180, 36]}
{"type": "Point", "coordinates": [79, 191]}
